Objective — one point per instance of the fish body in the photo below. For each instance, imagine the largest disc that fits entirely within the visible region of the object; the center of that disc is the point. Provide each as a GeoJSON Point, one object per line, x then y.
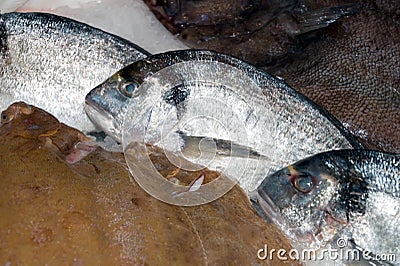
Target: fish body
{"type": "Point", "coordinates": [353, 72]}
{"type": "Point", "coordinates": [168, 98]}
{"type": "Point", "coordinates": [265, 33]}
{"type": "Point", "coordinates": [52, 211]}
{"type": "Point", "coordinates": [53, 62]}
{"type": "Point", "coordinates": [345, 194]}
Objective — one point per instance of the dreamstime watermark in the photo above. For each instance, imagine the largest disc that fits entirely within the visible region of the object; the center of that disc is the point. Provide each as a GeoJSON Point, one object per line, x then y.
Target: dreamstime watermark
{"type": "Point", "coordinates": [342, 253]}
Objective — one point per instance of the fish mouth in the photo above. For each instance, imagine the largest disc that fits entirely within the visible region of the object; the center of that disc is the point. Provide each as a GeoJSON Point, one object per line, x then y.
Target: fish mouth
{"type": "Point", "coordinates": [101, 117]}
{"type": "Point", "coordinates": [306, 234]}
{"type": "Point", "coordinates": [270, 209]}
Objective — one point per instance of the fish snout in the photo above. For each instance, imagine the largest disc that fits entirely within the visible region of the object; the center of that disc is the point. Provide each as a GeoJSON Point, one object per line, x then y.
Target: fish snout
{"type": "Point", "coordinates": [268, 206]}
{"type": "Point", "coordinates": [104, 110]}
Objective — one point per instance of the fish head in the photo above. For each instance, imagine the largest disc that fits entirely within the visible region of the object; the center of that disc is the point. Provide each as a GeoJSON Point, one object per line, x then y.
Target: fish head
{"type": "Point", "coordinates": [304, 200]}
{"type": "Point", "coordinates": [14, 111]}
{"type": "Point", "coordinates": [105, 103]}
{"type": "Point", "coordinates": [28, 121]}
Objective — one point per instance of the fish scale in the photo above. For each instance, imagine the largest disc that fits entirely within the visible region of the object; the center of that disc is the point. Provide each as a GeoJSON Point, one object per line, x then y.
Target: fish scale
{"type": "Point", "coordinates": [53, 62]}
{"type": "Point", "coordinates": [261, 111]}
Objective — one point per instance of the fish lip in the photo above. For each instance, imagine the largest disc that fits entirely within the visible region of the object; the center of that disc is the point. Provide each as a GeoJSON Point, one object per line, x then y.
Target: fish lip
{"type": "Point", "coordinates": [95, 113]}
{"type": "Point", "coordinates": [268, 206]}
{"type": "Point", "coordinates": [272, 212]}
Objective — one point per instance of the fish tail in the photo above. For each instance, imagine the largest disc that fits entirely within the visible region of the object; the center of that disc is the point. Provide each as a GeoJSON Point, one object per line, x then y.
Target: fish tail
{"type": "Point", "coordinates": [324, 17]}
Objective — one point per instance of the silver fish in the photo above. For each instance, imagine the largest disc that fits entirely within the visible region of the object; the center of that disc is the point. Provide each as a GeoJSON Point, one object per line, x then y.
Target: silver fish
{"type": "Point", "coordinates": [352, 196]}
{"type": "Point", "coordinates": [53, 62]}
{"type": "Point", "coordinates": [211, 95]}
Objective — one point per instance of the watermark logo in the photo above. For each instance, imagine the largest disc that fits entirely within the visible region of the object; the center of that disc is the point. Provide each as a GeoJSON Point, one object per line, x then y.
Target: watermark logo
{"type": "Point", "coordinates": [343, 252]}
{"type": "Point", "coordinates": [341, 242]}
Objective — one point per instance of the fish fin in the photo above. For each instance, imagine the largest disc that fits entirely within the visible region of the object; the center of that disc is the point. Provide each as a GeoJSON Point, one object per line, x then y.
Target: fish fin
{"type": "Point", "coordinates": [80, 151]}
{"type": "Point", "coordinates": [324, 17]}
{"type": "Point", "coordinates": [223, 147]}
{"type": "Point", "coordinates": [196, 183]}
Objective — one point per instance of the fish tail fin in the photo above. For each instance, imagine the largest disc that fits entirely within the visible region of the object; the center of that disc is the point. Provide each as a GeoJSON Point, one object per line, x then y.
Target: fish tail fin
{"type": "Point", "coordinates": [324, 17]}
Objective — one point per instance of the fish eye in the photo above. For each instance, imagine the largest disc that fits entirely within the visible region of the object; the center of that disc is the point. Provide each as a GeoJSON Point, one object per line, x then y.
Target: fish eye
{"type": "Point", "coordinates": [6, 117]}
{"type": "Point", "coordinates": [303, 183]}
{"type": "Point", "coordinates": [129, 87]}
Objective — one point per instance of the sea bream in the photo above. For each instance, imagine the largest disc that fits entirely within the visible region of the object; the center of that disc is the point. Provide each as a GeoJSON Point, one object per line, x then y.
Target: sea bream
{"type": "Point", "coordinates": [178, 98]}
{"type": "Point", "coordinates": [352, 196]}
{"type": "Point", "coordinates": [53, 62]}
